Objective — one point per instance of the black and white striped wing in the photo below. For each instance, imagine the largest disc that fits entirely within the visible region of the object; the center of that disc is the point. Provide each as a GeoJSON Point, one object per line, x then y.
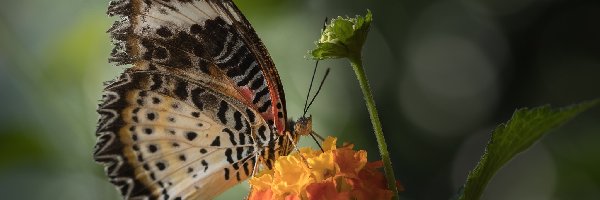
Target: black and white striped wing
{"type": "Point", "coordinates": [199, 106]}
{"type": "Point", "coordinates": [207, 40]}
{"type": "Point", "coordinates": [163, 137]}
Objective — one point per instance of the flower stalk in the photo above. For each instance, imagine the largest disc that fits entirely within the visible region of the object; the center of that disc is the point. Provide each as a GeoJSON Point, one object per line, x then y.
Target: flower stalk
{"type": "Point", "coordinates": [344, 38]}
{"type": "Point", "coordinates": [374, 115]}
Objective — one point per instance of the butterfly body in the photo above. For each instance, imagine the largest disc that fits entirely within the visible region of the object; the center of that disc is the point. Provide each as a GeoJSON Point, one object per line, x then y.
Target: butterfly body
{"type": "Point", "coordinates": [201, 108]}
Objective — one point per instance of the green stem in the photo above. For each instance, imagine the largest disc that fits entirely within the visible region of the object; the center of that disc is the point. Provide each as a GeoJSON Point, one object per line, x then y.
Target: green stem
{"type": "Point", "coordinates": [385, 155]}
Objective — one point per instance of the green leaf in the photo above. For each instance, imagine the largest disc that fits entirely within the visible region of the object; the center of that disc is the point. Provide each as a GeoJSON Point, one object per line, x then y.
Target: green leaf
{"type": "Point", "coordinates": [524, 128]}
{"type": "Point", "coordinates": [343, 38]}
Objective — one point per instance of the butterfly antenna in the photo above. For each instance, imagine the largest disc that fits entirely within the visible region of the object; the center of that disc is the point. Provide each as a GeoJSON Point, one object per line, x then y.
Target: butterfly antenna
{"type": "Point", "coordinates": [319, 90]}
{"type": "Point", "coordinates": [309, 89]}
{"type": "Point", "coordinates": [313, 75]}
{"type": "Point", "coordinates": [312, 134]}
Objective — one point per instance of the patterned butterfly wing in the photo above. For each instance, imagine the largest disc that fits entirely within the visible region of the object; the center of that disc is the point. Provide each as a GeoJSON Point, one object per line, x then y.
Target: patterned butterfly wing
{"type": "Point", "coordinates": [159, 140]}
{"type": "Point", "coordinates": [195, 111]}
{"type": "Point", "coordinates": [202, 39]}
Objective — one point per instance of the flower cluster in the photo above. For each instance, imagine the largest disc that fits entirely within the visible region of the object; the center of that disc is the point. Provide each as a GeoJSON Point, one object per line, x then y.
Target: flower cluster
{"type": "Point", "coordinates": [334, 173]}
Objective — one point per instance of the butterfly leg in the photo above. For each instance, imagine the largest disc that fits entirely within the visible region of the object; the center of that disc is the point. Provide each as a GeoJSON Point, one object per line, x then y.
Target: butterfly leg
{"type": "Point", "coordinates": [296, 148]}
{"type": "Point", "coordinates": [318, 136]}
{"type": "Point", "coordinates": [313, 134]}
{"type": "Point", "coordinates": [256, 157]}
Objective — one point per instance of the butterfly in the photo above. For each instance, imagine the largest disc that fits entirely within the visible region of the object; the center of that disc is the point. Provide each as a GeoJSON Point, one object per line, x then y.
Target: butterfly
{"type": "Point", "coordinates": [200, 109]}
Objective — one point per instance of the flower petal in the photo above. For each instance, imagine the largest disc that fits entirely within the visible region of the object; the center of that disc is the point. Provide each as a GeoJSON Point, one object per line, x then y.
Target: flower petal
{"type": "Point", "coordinates": [373, 183]}
{"type": "Point", "coordinates": [291, 175]}
{"type": "Point", "coordinates": [329, 144]}
{"type": "Point", "coordinates": [292, 197]}
{"type": "Point", "coordinates": [261, 195]}
{"type": "Point", "coordinates": [262, 181]}
{"type": "Point", "coordinates": [322, 166]}
{"type": "Point", "coordinates": [325, 191]}
{"type": "Point", "coordinates": [349, 161]}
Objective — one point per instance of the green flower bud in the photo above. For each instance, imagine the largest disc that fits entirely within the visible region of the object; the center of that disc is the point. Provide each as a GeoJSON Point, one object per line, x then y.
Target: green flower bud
{"type": "Point", "coordinates": [343, 38]}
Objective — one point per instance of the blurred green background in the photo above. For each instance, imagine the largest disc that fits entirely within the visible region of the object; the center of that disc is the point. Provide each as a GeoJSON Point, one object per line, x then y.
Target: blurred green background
{"type": "Point", "coordinates": [444, 74]}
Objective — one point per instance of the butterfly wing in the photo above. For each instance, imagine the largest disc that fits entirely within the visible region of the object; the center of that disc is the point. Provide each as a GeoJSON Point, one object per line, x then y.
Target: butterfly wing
{"type": "Point", "coordinates": [202, 39]}
{"type": "Point", "coordinates": [191, 60]}
{"type": "Point", "coordinates": [161, 136]}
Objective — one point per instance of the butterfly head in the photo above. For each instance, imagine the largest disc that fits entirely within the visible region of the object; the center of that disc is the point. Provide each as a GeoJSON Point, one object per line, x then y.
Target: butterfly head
{"type": "Point", "coordinates": [302, 126]}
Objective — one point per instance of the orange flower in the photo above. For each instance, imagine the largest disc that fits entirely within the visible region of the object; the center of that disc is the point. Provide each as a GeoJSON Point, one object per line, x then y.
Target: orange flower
{"type": "Point", "coordinates": [337, 173]}
{"type": "Point", "coordinates": [325, 191]}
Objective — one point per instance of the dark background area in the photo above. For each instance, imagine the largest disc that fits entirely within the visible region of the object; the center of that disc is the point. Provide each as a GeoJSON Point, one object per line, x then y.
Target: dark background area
{"type": "Point", "coordinates": [444, 75]}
